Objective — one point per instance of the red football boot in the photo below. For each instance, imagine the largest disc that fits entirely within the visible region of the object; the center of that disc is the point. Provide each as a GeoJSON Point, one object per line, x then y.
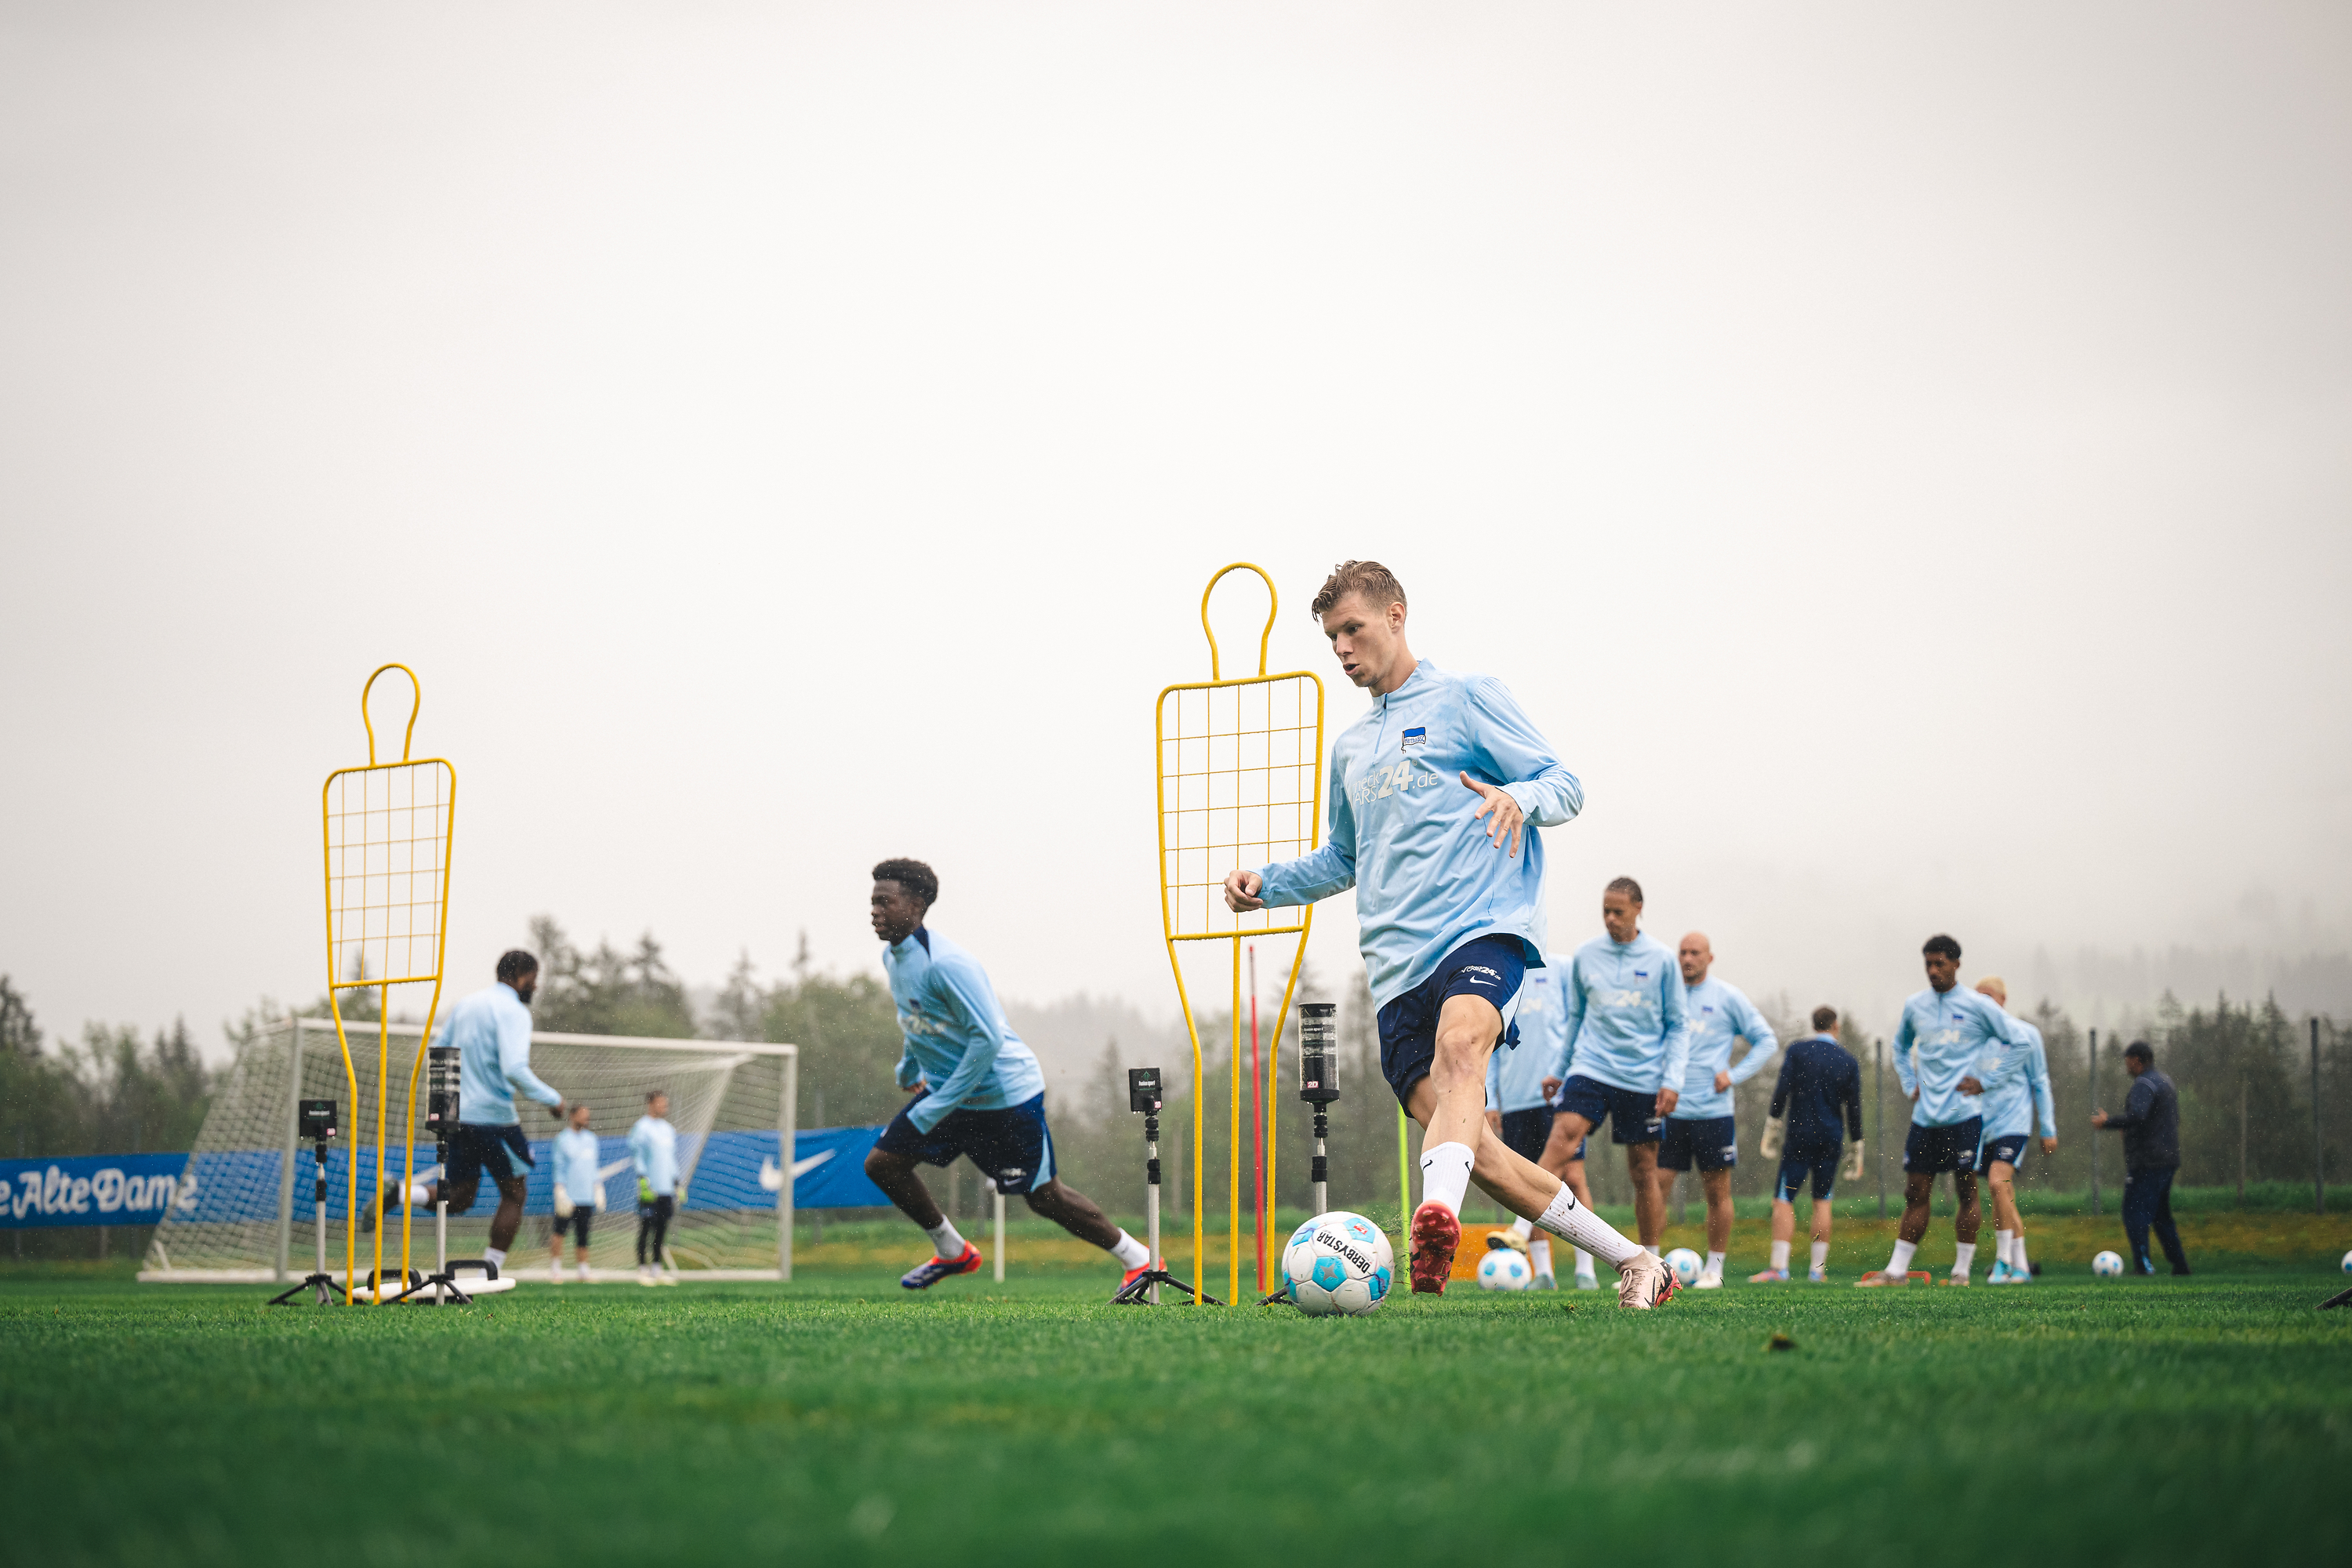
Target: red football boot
{"type": "Point", "coordinates": [1436, 1232]}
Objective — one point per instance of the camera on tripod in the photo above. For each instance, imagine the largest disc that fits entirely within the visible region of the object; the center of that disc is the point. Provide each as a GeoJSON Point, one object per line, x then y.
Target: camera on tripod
{"type": "Point", "coordinates": [1318, 1056]}
{"type": "Point", "coordinates": [1143, 1090]}
{"type": "Point", "coordinates": [316, 1119]}
{"type": "Point", "coordinates": [441, 1075]}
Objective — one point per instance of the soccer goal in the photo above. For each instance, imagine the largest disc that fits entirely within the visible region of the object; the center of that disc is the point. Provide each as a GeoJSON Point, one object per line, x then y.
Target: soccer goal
{"type": "Point", "coordinates": [244, 1211]}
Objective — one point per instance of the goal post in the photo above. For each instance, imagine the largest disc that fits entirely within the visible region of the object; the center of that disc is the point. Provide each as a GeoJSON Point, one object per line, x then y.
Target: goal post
{"type": "Point", "coordinates": [734, 1104]}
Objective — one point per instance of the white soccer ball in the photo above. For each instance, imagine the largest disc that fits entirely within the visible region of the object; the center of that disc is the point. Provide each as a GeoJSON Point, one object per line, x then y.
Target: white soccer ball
{"type": "Point", "coordinates": [1338, 1262]}
{"type": "Point", "coordinates": [2107, 1264]}
{"type": "Point", "coordinates": [1686, 1264]}
{"type": "Point", "coordinates": [2347, 1263]}
{"type": "Point", "coordinates": [1504, 1268]}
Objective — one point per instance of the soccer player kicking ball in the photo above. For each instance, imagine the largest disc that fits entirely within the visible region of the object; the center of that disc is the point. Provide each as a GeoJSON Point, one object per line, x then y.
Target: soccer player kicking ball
{"type": "Point", "coordinates": [978, 1092]}
{"type": "Point", "coordinates": [1701, 1130]}
{"type": "Point", "coordinates": [1957, 1033]}
{"type": "Point", "coordinates": [1815, 1100]}
{"type": "Point", "coordinates": [1434, 796]}
{"type": "Point", "coordinates": [653, 1149]}
{"type": "Point", "coordinates": [579, 1193]}
{"type": "Point", "coordinates": [2017, 1092]}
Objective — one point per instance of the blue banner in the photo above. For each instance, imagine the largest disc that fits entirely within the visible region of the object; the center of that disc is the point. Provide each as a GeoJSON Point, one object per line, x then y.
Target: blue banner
{"type": "Point", "coordinates": [734, 1171]}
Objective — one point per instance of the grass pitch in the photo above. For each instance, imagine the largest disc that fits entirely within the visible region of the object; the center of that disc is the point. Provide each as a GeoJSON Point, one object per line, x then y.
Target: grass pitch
{"type": "Point", "coordinates": [840, 1420]}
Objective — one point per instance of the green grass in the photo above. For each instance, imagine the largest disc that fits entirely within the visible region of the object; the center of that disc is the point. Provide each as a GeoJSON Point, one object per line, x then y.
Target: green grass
{"type": "Point", "coordinates": [839, 1420]}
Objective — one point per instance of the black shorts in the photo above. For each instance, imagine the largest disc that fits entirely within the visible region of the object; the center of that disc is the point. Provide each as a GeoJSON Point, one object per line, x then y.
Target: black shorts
{"type": "Point", "coordinates": [1799, 1164]}
{"type": "Point", "coordinates": [1012, 1146]}
{"type": "Point", "coordinates": [1930, 1150]}
{"type": "Point", "coordinates": [2009, 1150]}
{"type": "Point", "coordinates": [577, 1222]}
{"type": "Point", "coordinates": [1710, 1141]}
{"type": "Point", "coordinates": [1525, 1132]}
{"type": "Point", "coordinates": [1489, 966]}
{"type": "Point", "coordinates": [474, 1148]}
{"type": "Point", "coordinates": [1632, 1113]}
{"type": "Point", "coordinates": [661, 1205]}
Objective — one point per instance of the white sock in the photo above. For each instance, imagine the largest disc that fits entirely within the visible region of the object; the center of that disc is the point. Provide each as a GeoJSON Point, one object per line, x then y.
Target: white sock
{"type": "Point", "coordinates": [1780, 1255]}
{"type": "Point", "coordinates": [1130, 1253]}
{"type": "Point", "coordinates": [2017, 1253]}
{"type": "Point", "coordinates": [1539, 1254]}
{"type": "Point", "coordinates": [1963, 1256]}
{"type": "Point", "coordinates": [1820, 1255]}
{"type": "Point", "coordinates": [1524, 1228]}
{"type": "Point", "coordinates": [496, 1256]}
{"type": "Point", "coordinates": [1583, 1264]}
{"type": "Point", "coordinates": [583, 1271]}
{"type": "Point", "coordinates": [1714, 1264]}
{"type": "Point", "coordinates": [1571, 1221]}
{"type": "Point", "coordinates": [945, 1242]}
{"type": "Point", "coordinates": [2000, 1245]}
{"type": "Point", "coordinates": [1900, 1264]}
{"type": "Point", "coordinates": [1652, 1251]}
{"type": "Point", "coordinates": [1445, 1174]}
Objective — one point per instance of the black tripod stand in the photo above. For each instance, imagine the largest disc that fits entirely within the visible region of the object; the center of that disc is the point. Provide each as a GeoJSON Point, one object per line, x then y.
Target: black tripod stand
{"type": "Point", "coordinates": [317, 1121]}
{"type": "Point", "coordinates": [1143, 1291]}
{"type": "Point", "coordinates": [441, 1068]}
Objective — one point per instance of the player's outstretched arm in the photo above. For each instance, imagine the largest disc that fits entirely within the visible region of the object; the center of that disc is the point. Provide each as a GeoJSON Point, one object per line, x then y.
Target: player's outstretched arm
{"type": "Point", "coordinates": [1316, 875]}
{"type": "Point", "coordinates": [1519, 757]}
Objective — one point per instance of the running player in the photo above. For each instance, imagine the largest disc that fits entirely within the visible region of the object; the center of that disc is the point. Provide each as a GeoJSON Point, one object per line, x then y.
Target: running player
{"type": "Point", "coordinates": [2018, 1091]}
{"type": "Point", "coordinates": [1434, 796]}
{"type": "Point", "coordinates": [653, 1148]}
{"type": "Point", "coordinates": [1518, 1110]}
{"type": "Point", "coordinates": [492, 1030]}
{"type": "Point", "coordinates": [579, 1192]}
{"type": "Point", "coordinates": [1815, 1101]}
{"type": "Point", "coordinates": [1701, 1128]}
{"type": "Point", "coordinates": [1958, 1034]}
{"type": "Point", "coordinates": [978, 1092]}
{"type": "Point", "coordinates": [1627, 1049]}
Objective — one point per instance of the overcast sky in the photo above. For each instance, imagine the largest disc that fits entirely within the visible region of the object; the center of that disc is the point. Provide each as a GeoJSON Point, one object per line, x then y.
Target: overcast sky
{"type": "Point", "coordinates": [1902, 458]}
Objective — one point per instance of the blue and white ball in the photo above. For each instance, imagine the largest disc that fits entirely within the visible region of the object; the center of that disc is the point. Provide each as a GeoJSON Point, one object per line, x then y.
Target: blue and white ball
{"type": "Point", "coordinates": [1504, 1268]}
{"type": "Point", "coordinates": [1686, 1264]}
{"type": "Point", "coordinates": [2347, 1263]}
{"type": "Point", "coordinates": [1338, 1262]}
{"type": "Point", "coordinates": [2107, 1264]}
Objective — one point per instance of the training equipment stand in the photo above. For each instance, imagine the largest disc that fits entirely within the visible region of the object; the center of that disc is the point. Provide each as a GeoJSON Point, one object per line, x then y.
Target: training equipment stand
{"type": "Point", "coordinates": [318, 1120]}
{"type": "Point", "coordinates": [441, 1072]}
{"type": "Point", "coordinates": [1143, 1291]}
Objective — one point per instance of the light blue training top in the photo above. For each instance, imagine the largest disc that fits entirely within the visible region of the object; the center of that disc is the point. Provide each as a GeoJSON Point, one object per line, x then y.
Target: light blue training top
{"type": "Point", "coordinates": [1627, 1024]}
{"type": "Point", "coordinates": [1718, 1011]}
{"type": "Point", "coordinates": [2018, 1089]}
{"type": "Point", "coordinates": [653, 1142]}
{"type": "Point", "coordinates": [1958, 1034]}
{"type": "Point", "coordinates": [1402, 833]}
{"type": "Point", "coordinates": [578, 1153]}
{"type": "Point", "coordinates": [1514, 1074]}
{"type": "Point", "coordinates": [492, 1030]}
{"type": "Point", "coordinates": [957, 1040]}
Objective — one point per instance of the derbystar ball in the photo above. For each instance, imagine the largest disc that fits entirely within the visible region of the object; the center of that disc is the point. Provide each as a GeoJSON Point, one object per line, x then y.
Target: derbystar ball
{"type": "Point", "coordinates": [1504, 1270]}
{"type": "Point", "coordinates": [2107, 1264]}
{"type": "Point", "coordinates": [1685, 1263]}
{"type": "Point", "coordinates": [1338, 1262]}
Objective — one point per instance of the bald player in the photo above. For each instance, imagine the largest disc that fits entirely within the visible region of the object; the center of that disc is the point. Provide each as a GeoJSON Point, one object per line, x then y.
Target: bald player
{"type": "Point", "coordinates": [2016, 1092]}
{"type": "Point", "coordinates": [1701, 1130]}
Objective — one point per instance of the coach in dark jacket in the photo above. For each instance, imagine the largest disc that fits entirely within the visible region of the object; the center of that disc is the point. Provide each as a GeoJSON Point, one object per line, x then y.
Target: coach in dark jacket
{"type": "Point", "coordinates": [2151, 1124]}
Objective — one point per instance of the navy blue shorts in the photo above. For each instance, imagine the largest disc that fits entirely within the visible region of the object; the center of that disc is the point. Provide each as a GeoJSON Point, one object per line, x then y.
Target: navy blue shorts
{"type": "Point", "coordinates": [1525, 1132]}
{"type": "Point", "coordinates": [1632, 1113]}
{"type": "Point", "coordinates": [1930, 1150]}
{"type": "Point", "coordinates": [2009, 1150]}
{"type": "Point", "coordinates": [1013, 1145]}
{"type": "Point", "coordinates": [1796, 1165]}
{"type": "Point", "coordinates": [1491, 967]}
{"type": "Point", "coordinates": [473, 1147]}
{"type": "Point", "coordinates": [1712, 1141]}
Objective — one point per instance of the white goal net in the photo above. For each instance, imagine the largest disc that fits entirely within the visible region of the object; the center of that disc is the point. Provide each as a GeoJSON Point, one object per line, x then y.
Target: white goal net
{"type": "Point", "coordinates": [245, 1213]}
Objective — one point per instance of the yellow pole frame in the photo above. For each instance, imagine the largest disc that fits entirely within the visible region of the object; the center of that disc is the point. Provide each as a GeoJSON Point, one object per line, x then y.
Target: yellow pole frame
{"type": "Point", "coordinates": [1168, 927]}
{"type": "Point", "coordinates": [337, 985]}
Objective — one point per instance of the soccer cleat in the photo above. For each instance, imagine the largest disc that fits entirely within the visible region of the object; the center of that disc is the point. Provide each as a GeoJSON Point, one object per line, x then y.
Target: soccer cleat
{"type": "Point", "coordinates": [1878, 1276]}
{"type": "Point", "coordinates": [2020, 1277]}
{"type": "Point", "coordinates": [1645, 1282]}
{"type": "Point", "coordinates": [1953, 1279]}
{"type": "Point", "coordinates": [1588, 1282]}
{"type": "Point", "coordinates": [923, 1276]}
{"type": "Point", "coordinates": [1708, 1281]}
{"type": "Point", "coordinates": [1132, 1275]}
{"type": "Point", "coordinates": [1768, 1276]}
{"type": "Point", "coordinates": [1504, 1240]}
{"type": "Point", "coordinates": [1999, 1275]}
{"type": "Point", "coordinates": [1817, 1276]}
{"type": "Point", "coordinates": [645, 1275]}
{"type": "Point", "coordinates": [1545, 1282]}
{"type": "Point", "coordinates": [667, 1277]}
{"type": "Point", "coordinates": [1436, 1232]}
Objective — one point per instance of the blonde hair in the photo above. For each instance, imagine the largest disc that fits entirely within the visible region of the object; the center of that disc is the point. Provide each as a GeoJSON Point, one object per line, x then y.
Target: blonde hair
{"type": "Point", "coordinates": [1991, 984]}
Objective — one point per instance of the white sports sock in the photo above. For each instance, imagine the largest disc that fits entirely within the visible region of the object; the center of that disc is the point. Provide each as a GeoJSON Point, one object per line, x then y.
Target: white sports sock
{"type": "Point", "coordinates": [1900, 1264]}
{"type": "Point", "coordinates": [1583, 1264]}
{"type": "Point", "coordinates": [1820, 1255]}
{"type": "Point", "coordinates": [1963, 1256]}
{"type": "Point", "coordinates": [1714, 1264]}
{"type": "Point", "coordinates": [1571, 1221]}
{"type": "Point", "coordinates": [2017, 1253]}
{"type": "Point", "coordinates": [1539, 1254]}
{"type": "Point", "coordinates": [1524, 1228]}
{"type": "Point", "coordinates": [497, 1255]}
{"type": "Point", "coordinates": [1445, 1174]}
{"type": "Point", "coordinates": [1780, 1255]}
{"type": "Point", "coordinates": [583, 1273]}
{"type": "Point", "coordinates": [1130, 1253]}
{"type": "Point", "coordinates": [945, 1242]}
{"type": "Point", "coordinates": [2000, 1245]}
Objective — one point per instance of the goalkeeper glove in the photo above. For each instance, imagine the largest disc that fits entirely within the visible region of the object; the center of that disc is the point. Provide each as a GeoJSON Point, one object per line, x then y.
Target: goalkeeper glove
{"type": "Point", "coordinates": [1852, 1171]}
{"type": "Point", "coordinates": [1775, 1131]}
{"type": "Point", "coordinates": [645, 1191]}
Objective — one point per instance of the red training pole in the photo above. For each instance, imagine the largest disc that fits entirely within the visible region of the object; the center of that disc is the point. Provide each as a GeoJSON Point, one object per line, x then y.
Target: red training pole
{"type": "Point", "coordinates": [1257, 1127]}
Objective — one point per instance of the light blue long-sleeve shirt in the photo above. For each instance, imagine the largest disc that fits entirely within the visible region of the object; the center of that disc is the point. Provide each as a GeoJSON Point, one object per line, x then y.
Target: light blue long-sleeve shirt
{"type": "Point", "coordinates": [1958, 1034]}
{"type": "Point", "coordinates": [1515, 1076]}
{"type": "Point", "coordinates": [2017, 1090]}
{"type": "Point", "coordinates": [958, 1039]}
{"type": "Point", "coordinates": [1627, 1024]}
{"type": "Point", "coordinates": [653, 1142]}
{"type": "Point", "coordinates": [578, 1157]}
{"type": "Point", "coordinates": [1403, 833]}
{"type": "Point", "coordinates": [492, 1030]}
{"type": "Point", "coordinates": [1719, 1013]}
